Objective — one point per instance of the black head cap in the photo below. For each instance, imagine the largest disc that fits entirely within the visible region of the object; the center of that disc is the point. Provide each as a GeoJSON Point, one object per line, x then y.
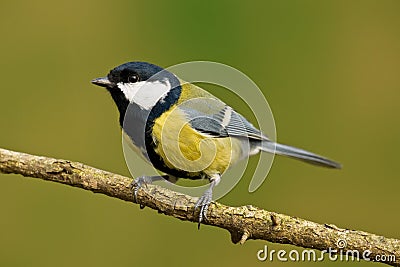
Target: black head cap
{"type": "Point", "coordinates": [133, 72]}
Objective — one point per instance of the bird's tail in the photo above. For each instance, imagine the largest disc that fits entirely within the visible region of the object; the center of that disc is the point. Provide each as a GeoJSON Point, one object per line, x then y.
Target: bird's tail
{"type": "Point", "coordinates": [300, 154]}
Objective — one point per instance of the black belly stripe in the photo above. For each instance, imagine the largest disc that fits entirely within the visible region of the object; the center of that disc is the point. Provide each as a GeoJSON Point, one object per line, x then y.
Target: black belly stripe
{"type": "Point", "coordinates": [157, 161]}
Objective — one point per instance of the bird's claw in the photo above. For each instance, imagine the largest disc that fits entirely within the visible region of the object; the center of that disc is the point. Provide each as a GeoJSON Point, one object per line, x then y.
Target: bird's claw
{"type": "Point", "coordinates": [203, 203]}
{"type": "Point", "coordinates": [138, 183]}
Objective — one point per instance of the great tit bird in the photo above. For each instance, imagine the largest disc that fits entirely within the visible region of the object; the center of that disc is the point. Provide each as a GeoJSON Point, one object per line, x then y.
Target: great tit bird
{"type": "Point", "coordinates": [183, 130]}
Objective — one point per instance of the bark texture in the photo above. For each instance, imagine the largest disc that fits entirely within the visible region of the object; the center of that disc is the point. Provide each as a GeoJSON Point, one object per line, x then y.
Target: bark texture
{"type": "Point", "coordinates": [246, 222]}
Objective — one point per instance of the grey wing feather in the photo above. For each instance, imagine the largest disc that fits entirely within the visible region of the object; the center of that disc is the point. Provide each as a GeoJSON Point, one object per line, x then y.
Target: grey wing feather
{"type": "Point", "coordinates": [221, 121]}
{"type": "Point", "coordinates": [239, 126]}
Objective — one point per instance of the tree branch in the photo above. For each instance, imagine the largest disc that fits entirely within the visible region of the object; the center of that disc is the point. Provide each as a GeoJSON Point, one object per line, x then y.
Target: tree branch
{"type": "Point", "coordinates": [246, 222]}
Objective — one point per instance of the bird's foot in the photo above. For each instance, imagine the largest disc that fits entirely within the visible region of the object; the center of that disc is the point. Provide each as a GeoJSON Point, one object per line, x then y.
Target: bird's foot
{"type": "Point", "coordinates": [205, 200]}
{"type": "Point", "coordinates": [141, 181]}
{"type": "Point", "coordinates": [203, 203]}
{"type": "Point", "coordinates": [138, 183]}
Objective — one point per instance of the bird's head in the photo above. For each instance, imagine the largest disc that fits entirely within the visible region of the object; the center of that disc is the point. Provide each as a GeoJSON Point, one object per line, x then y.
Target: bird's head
{"type": "Point", "coordinates": [141, 83]}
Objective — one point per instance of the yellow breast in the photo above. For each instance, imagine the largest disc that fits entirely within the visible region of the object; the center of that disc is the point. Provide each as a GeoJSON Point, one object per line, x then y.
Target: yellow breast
{"type": "Point", "coordinates": [184, 148]}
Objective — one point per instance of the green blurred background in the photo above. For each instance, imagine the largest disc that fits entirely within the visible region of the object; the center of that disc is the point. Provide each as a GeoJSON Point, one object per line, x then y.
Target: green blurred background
{"type": "Point", "coordinates": [329, 69]}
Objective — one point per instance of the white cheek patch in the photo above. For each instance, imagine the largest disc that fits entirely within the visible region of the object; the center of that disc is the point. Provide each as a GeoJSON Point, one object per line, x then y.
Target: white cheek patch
{"type": "Point", "coordinates": [145, 94]}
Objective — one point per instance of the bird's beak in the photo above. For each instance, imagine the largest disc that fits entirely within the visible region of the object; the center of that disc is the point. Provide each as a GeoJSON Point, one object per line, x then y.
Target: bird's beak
{"type": "Point", "coordinates": [102, 81]}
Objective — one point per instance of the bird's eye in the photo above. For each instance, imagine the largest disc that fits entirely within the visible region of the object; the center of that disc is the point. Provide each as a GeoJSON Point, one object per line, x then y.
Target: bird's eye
{"type": "Point", "coordinates": [133, 78]}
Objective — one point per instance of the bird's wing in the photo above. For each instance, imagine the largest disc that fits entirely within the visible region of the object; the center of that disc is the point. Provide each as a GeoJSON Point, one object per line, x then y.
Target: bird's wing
{"type": "Point", "coordinates": [215, 118]}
